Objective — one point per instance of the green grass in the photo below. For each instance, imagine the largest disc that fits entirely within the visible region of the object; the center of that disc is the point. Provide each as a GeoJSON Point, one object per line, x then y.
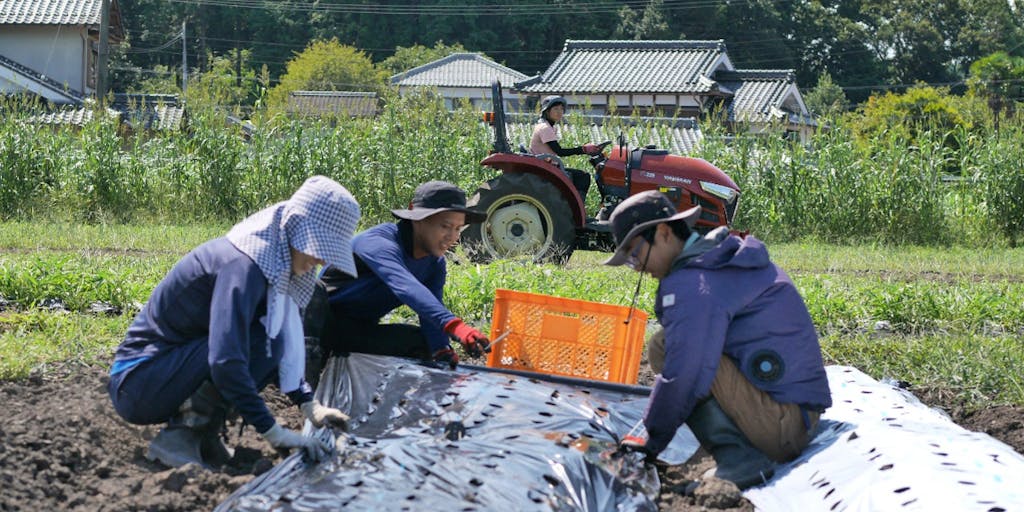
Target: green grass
{"type": "Point", "coordinates": [954, 314]}
{"type": "Point", "coordinates": [977, 370]}
{"type": "Point", "coordinates": [116, 238]}
{"type": "Point", "coordinates": [34, 340]}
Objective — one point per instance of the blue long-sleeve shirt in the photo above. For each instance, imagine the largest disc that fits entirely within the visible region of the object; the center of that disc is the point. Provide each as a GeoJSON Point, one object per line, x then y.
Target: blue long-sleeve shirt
{"type": "Point", "coordinates": [218, 293]}
{"type": "Point", "coordinates": [389, 276]}
{"type": "Point", "coordinates": [732, 300]}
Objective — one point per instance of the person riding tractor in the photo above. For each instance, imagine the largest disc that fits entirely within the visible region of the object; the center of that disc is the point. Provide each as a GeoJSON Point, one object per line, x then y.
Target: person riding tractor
{"type": "Point", "coordinates": [544, 142]}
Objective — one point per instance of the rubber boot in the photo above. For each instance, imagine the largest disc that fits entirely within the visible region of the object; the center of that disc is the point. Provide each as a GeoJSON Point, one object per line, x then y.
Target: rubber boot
{"type": "Point", "coordinates": [194, 434]}
{"type": "Point", "coordinates": [736, 459]}
{"type": "Point", "coordinates": [176, 445]}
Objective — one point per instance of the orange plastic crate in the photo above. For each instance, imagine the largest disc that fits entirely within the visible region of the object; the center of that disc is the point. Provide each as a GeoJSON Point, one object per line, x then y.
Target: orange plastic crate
{"type": "Point", "coordinates": [570, 337]}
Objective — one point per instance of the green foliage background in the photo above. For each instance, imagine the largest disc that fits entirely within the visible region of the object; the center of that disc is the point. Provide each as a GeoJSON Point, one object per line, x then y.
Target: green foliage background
{"type": "Point", "coordinates": [924, 167]}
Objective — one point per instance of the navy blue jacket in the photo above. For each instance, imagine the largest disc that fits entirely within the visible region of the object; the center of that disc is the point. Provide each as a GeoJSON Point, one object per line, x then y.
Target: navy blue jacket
{"type": "Point", "coordinates": [389, 277]}
{"type": "Point", "coordinates": [732, 300]}
{"type": "Point", "coordinates": [219, 294]}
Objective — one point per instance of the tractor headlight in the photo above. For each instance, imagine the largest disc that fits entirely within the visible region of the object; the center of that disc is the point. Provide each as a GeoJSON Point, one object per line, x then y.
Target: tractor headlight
{"type": "Point", "coordinates": [726, 193]}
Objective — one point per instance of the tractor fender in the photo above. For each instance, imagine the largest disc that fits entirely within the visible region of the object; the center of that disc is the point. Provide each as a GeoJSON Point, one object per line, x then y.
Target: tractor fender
{"type": "Point", "coordinates": [524, 163]}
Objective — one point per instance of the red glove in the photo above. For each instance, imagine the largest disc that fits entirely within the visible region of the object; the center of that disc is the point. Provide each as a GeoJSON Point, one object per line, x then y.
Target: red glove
{"type": "Point", "coordinates": [591, 149]}
{"type": "Point", "coordinates": [447, 355]}
{"type": "Point", "coordinates": [473, 341]}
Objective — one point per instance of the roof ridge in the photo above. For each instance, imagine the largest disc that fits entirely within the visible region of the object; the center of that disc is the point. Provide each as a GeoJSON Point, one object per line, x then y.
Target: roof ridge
{"type": "Point", "coordinates": [760, 71]}
{"type": "Point", "coordinates": [352, 94]}
{"type": "Point", "coordinates": [667, 44]}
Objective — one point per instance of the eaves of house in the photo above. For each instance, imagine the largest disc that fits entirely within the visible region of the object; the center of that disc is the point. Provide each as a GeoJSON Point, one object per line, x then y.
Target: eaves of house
{"type": "Point", "coordinates": [763, 96]}
{"type": "Point", "coordinates": [37, 83]}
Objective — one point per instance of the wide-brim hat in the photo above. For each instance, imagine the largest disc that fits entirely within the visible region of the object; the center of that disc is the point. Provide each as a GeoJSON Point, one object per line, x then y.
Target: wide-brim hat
{"type": "Point", "coordinates": [321, 222]}
{"type": "Point", "coordinates": [435, 197]}
{"type": "Point", "coordinates": [639, 213]}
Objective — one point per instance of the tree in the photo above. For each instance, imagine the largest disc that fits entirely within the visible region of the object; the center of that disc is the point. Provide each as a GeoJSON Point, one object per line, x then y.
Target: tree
{"type": "Point", "coordinates": [827, 98]}
{"type": "Point", "coordinates": [826, 39]}
{"type": "Point", "coordinates": [219, 85]}
{"type": "Point", "coordinates": [406, 58]}
{"type": "Point", "coordinates": [989, 26]}
{"type": "Point", "coordinates": [999, 78]}
{"type": "Point", "coordinates": [160, 80]}
{"type": "Point", "coordinates": [327, 66]}
{"type": "Point", "coordinates": [912, 36]}
{"type": "Point", "coordinates": [919, 113]}
{"type": "Point", "coordinates": [650, 24]}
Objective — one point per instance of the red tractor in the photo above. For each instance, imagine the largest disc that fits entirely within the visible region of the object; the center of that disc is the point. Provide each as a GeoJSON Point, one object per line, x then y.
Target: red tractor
{"type": "Point", "coordinates": [534, 209]}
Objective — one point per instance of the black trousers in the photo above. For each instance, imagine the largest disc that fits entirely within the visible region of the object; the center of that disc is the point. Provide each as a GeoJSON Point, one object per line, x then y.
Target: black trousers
{"type": "Point", "coordinates": [580, 180]}
{"type": "Point", "coordinates": [343, 335]}
{"type": "Point", "coordinates": [329, 333]}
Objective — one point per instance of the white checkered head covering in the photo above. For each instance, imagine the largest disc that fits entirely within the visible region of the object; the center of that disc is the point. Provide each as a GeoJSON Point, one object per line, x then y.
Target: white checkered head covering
{"type": "Point", "coordinates": [319, 220]}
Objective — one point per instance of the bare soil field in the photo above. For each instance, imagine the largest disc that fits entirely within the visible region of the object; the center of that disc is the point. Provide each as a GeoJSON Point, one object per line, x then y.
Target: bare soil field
{"type": "Point", "coordinates": [62, 447]}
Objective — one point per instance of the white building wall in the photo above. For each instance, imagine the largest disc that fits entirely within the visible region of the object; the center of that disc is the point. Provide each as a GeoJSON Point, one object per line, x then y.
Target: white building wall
{"type": "Point", "coordinates": [480, 98]}
{"type": "Point", "coordinates": [59, 52]}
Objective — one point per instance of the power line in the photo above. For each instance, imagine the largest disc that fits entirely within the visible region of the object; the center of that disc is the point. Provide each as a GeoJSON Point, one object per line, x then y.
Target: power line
{"type": "Point", "coordinates": [531, 9]}
{"type": "Point", "coordinates": [157, 48]}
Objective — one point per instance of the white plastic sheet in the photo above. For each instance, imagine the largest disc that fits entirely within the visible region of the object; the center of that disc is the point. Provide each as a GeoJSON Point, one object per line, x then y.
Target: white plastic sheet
{"type": "Point", "coordinates": [880, 449]}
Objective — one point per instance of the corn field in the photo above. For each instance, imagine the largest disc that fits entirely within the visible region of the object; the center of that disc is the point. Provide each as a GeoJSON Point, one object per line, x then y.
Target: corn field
{"type": "Point", "coordinates": [832, 189]}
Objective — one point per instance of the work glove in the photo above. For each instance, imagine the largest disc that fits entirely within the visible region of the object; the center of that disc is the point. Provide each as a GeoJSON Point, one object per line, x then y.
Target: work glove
{"type": "Point", "coordinates": [320, 415]}
{"type": "Point", "coordinates": [635, 441]}
{"type": "Point", "coordinates": [282, 438]}
{"type": "Point", "coordinates": [473, 341]}
{"type": "Point", "coordinates": [447, 355]}
{"type": "Point", "coordinates": [591, 149]}
{"type": "Point", "coordinates": [635, 445]}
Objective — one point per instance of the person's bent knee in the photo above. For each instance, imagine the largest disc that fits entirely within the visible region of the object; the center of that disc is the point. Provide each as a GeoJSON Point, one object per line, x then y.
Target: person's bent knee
{"type": "Point", "coordinates": [656, 351]}
{"type": "Point", "coordinates": [135, 409]}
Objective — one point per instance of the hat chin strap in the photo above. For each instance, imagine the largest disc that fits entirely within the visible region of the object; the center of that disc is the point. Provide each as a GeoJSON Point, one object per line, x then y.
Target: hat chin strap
{"type": "Point", "coordinates": [636, 293]}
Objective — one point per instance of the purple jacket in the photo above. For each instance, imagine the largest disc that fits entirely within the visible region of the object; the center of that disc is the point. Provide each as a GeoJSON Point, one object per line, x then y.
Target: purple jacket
{"type": "Point", "coordinates": [731, 299]}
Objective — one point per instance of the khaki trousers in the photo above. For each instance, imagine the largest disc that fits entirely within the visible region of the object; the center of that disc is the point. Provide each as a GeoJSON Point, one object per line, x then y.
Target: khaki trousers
{"type": "Point", "coordinates": [775, 428]}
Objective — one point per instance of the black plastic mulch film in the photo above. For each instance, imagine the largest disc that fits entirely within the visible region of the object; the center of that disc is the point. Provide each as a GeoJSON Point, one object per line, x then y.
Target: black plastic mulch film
{"type": "Point", "coordinates": [423, 438]}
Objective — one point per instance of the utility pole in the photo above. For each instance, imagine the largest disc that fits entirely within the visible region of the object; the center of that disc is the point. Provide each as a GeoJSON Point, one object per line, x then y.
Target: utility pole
{"type": "Point", "coordinates": [102, 80]}
{"type": "Point", "coordinates": [184, 61]}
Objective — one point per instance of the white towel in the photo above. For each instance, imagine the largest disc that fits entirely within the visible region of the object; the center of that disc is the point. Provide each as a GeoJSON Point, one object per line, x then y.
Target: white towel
{"type": "Point", "coordinates": [285, 322]}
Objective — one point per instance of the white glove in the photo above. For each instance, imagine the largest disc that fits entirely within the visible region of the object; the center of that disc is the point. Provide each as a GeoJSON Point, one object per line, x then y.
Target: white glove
{"type": "Point", "coordinates": [280, 437]}
{"type": "Point", "coordinates": [320, 415]}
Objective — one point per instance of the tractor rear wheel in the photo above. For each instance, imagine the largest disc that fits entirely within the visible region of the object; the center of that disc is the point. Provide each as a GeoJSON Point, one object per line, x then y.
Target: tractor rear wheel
{"type": "Point", "coordinates": [526, 216]}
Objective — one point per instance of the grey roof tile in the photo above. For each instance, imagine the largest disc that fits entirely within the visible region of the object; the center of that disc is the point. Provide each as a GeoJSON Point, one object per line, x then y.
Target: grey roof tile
{"type": "Point", "coordinates": [459, 70]}
{"type": "Point", "coordinates": [347, 103]}
{"type": "Point", "coordinates": [70, 116]}
{"type": "Point", "coordinates": [758, 94]}
{"type": "Point", "coordinates": [630, 67]}
{"type": "Point", "coordinates": [50, 12]}
{"type": "Point", "coordinates": [153, 112]}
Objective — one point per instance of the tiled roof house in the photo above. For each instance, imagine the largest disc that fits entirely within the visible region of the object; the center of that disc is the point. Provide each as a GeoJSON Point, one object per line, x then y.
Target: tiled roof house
{"type": "Point", "coordinates": [49, 47]}
{"type": "Point", "coordinates": [333, 103]}
{"type": "Point", "coordinates": [669, 78]}
{"type": "Point", "coordinates": [463, 75]}
{"type": "Point", "coordinates": [134, 113]}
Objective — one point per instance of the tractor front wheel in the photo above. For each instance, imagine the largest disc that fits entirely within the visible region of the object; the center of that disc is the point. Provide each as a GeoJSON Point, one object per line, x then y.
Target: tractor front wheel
{"type": "Point", "coordinates": [526, 216]}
